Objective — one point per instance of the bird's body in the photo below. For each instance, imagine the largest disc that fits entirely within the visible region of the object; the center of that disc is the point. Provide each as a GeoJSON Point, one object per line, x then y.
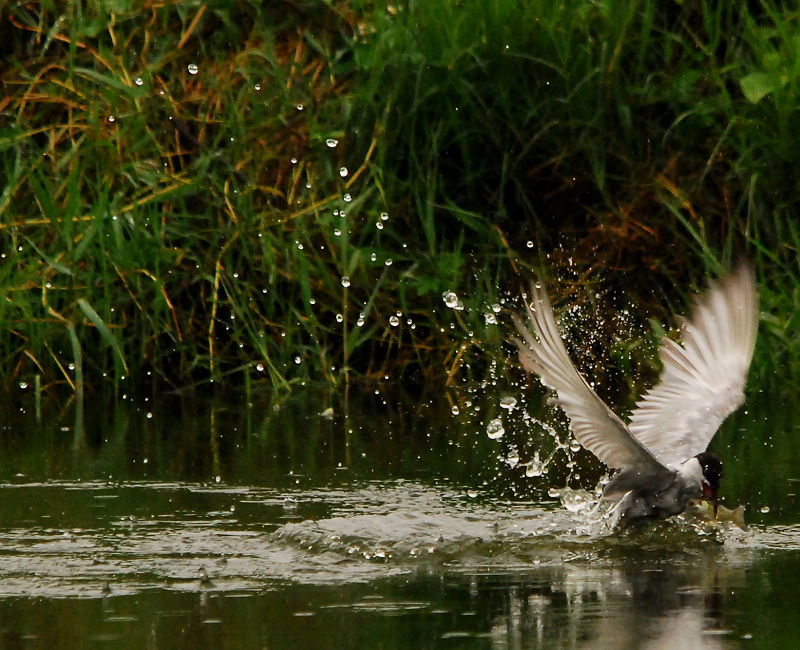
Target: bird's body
{"type": "Point", "coordinates": [662, 495]}
{"type": "Point", "coordinates": [661, 453]}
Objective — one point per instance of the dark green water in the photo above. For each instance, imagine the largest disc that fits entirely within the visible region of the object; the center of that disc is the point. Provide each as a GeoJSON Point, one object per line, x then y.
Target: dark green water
{"type": "Point", "coordinates": [214, 523]}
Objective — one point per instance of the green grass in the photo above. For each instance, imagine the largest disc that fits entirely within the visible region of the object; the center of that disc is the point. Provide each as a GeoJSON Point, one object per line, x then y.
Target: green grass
{"type": "Point", "coordinates": [190, 187]}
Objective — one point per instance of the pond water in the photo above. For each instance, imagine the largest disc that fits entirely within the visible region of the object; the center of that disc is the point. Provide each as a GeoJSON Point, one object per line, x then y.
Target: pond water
{"type": "Point", "coordinates": [227, 524]}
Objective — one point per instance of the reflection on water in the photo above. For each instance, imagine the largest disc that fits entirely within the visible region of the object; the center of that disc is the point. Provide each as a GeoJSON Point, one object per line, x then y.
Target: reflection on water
{"type": "Point", "coordinates": [292, 531]}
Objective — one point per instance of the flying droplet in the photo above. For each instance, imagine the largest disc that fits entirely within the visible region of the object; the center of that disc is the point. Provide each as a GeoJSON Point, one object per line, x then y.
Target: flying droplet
{"type": "Point", "coordinates": [394, 321]}
{"type": "Point", "coordinates": [345, 281]}
{"type": "Point", "coordinates": [343, 172]}
{"type": "Point", "coordinates": [139, 81]}
{"type": "Point", "coordinates": [535, 467]}
{"type": "Point", "coordinates": [331, 142]}
{"type": "Point", "coordinates": [192, 68]}
{"type": "Point", "coordinates": [508, 402]}
{"type": "Point", "coordinates": [450, 299]}
{"type": "Point", "coordinates": [495, 429]}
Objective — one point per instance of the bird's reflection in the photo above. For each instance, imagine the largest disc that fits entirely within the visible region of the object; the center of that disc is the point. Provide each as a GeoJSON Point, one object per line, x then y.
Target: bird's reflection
{"type": "Point", "coordinates": [642, 602]}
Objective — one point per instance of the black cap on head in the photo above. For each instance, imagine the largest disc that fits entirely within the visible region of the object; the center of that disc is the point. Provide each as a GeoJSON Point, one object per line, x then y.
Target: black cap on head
{"type": "Point", "coordinates": [712, 469]}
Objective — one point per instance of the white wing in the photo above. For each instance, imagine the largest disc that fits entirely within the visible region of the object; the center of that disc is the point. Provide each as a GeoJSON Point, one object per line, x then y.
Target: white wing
{"type": "Point", "coordinates": [595, 426]}
{"type": "Point", "coordinates": [703, 380]}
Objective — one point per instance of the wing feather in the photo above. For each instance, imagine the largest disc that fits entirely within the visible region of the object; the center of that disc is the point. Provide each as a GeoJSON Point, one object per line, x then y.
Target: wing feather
{"type": "Point", "coordinates": [703, 379]}
{"type": "Point", "coordinates": [595, 426]}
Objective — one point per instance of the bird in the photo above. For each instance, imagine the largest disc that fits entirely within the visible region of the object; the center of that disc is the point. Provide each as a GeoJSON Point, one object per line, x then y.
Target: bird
{"type": "Point", "coordinates": [660, 455]}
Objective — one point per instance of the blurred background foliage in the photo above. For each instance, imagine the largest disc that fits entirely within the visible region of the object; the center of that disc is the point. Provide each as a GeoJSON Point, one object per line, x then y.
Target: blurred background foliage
{"type": "Point", "coordinates": [352, 193]}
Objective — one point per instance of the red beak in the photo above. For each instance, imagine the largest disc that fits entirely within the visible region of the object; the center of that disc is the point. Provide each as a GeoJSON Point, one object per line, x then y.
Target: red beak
{"type": "Point", "coordinates": [710, 494]}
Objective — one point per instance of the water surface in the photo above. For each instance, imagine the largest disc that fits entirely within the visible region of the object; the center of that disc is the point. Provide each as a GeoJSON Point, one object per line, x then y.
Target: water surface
{"type": "Point", "coordinates": [223, 524]}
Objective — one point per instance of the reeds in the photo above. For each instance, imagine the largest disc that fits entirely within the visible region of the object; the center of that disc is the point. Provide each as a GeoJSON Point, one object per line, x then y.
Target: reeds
{"type": "Point", "coordinates": [285, 191]}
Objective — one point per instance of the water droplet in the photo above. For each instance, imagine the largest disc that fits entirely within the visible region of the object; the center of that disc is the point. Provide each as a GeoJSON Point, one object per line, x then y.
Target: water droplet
{"type": "Point", "coordinates": [575, 501]}
{"type": "Point", "coordinates": [388, 262]}
{"type": "Point", "coordinates": [574, 446]}
{"type": "Point", "coordinates": [455, 410]}
{"type": "Point", "coordinates": [192, 68]}
{"type": "Point", "coordinates": [450, 299]}
{"type": "Point", "coordinates": [257, 87]}
{"type": "Point", "coordinates": [384, 216]}
{"type": "Point", "coordinates": [347, 198]}
{"type": "Point", "coordinates": [343, 172]}
{"type": "Point", "coordinates": [293, 160]}
{"type": "Point", "coordinates": [339, 318]}
{"type": "Point", "coordinates": [312, 301]}
{"type": "Point", "coordinates": [512, 459]}
{"type": "Point", "coordinates": [554, 492]}
{"type": "Point", "coordinates": [490, 319]}
{"type": "Point", "coordinates": [23, 385]}
{"type": "Point", "coordinates": [112, 119]}
{"type": "Point", "coordinates": [300, 107]}
{"type": "Point", "coordinates": [394, 321]}
{"type": "Point", "coordinates": [345, 281]}
{"type": "Point", "coordinates": [379, 225]}
{"type": "Point", "coordinates": [373, 257]}
{"type": "Point", "coordinates": [331, 142]}
{"type": "Point", "coordinates": [472, 493]}
{"type": "Point", "coordinates": [508, 402]}
{"type": "Point", "coordinates": [765, 509]}
{"type": "Point", "coordinates": [529, 244]}
{"type": "Point", "coordinates": [139, 81]}
{"type": "Point", "coordinates": [535, 467]}
{"type": "Point", "coordinates": [496, 308]}
{"type": "Point", "coordinates": [337, 232]}
{"type": "Point", "coordinates": [495, 429]}
{"type": "Point", "coordinates": [149, 416]}
{"type": "Point", "coordinates": [298, 360]}
{"type": "Point", "coordinates": [260, 367]}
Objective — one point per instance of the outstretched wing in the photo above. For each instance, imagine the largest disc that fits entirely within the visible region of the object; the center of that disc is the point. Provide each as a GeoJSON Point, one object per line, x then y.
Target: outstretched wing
{"type": "Point", "coordinates": [703, 380]}
{"type": "Point", "coordinates": [595, 425]}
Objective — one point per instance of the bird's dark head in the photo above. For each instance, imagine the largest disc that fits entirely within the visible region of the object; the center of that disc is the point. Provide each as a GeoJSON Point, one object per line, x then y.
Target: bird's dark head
{"type": "Point", "coordinates": [712, 476]}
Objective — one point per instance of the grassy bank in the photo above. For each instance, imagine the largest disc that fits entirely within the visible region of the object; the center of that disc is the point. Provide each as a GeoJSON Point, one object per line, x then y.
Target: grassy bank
{"type": "Point", "coordinates": [286, 193]}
